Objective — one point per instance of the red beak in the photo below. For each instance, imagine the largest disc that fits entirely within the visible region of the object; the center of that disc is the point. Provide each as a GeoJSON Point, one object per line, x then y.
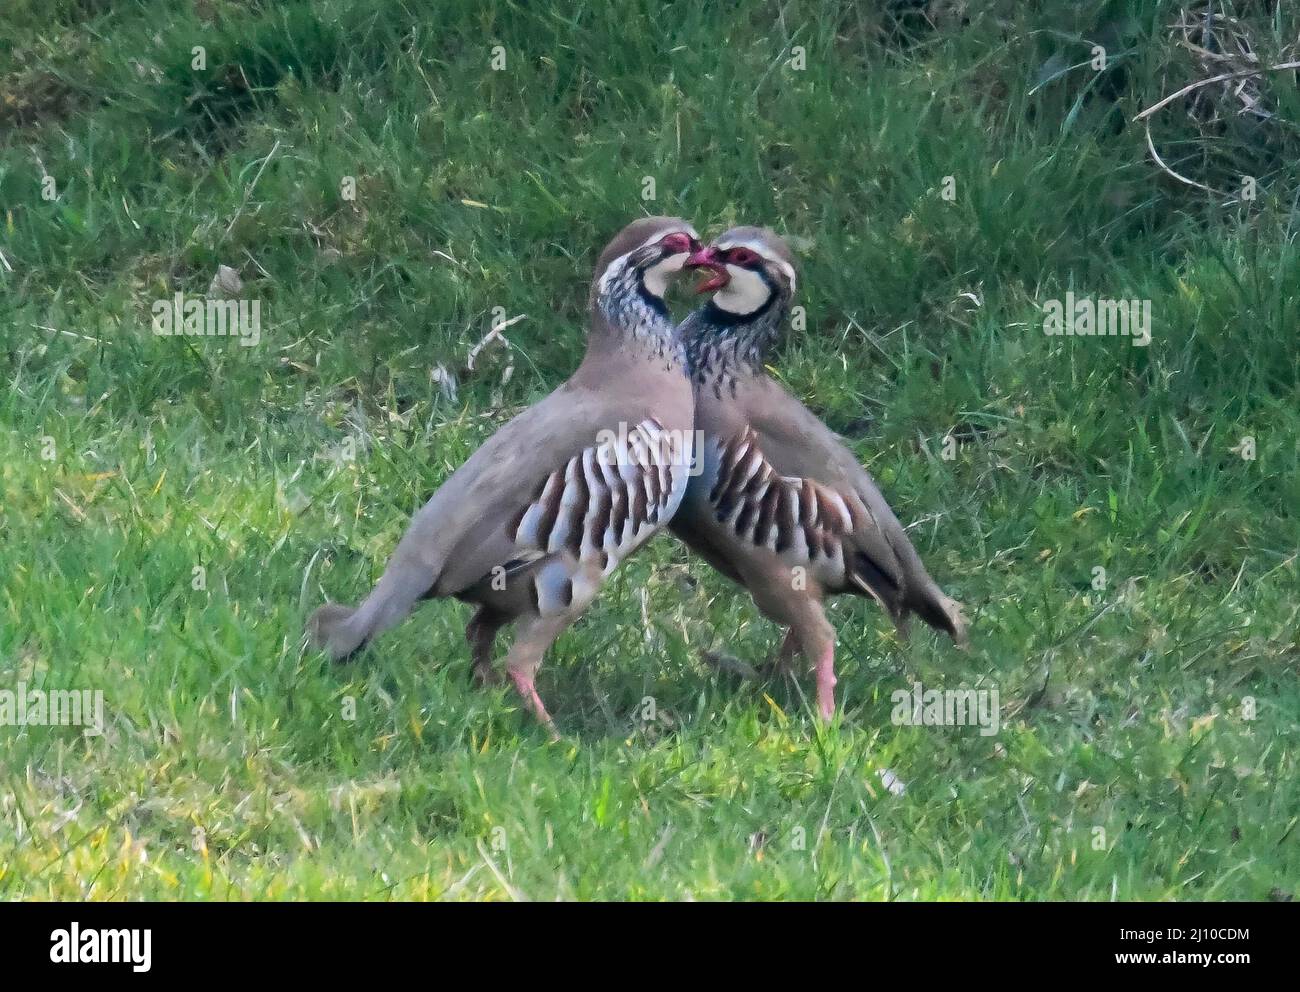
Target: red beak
{"type": "Point", "coordinates": [707, 258]}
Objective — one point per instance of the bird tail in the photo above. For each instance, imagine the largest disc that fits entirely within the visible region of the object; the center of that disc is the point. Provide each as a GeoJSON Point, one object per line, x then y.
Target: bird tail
{"type": "Point", "coordinates": [344, 630]}
{"type": "Point", "coordinates": [325, 630]}
{"type": "Point", "coordinates": [916, 593]}
{"type": "Point", "coordinates": [939, 611]}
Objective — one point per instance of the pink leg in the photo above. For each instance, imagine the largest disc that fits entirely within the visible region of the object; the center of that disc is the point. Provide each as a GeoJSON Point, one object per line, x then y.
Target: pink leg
{"type": "Point", "coordinates": [534, 636]}
{"type": "Point", "coordinates": [817, 640]}
{"type": "Point", "coordinates": [826, 682]}
{"type": "Point", "coordinates": [528, 690]}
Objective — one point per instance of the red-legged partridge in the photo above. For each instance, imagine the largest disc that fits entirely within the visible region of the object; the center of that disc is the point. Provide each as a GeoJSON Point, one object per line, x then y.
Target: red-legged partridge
{"type": "Point", "coordinates": [782, 506]}
{"type": "Point", "coordinates": [530, 527]}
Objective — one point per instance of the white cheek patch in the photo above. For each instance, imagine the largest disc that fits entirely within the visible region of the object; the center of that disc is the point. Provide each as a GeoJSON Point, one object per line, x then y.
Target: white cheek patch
{"type": "Point", "coordinates": [759, 249]}
{"type": "Point", "coordinates": [655, 278]}
{"type": "Point", "coordinates": [745, 293]}
{"type": "Point", "coordinates": [618, 265]}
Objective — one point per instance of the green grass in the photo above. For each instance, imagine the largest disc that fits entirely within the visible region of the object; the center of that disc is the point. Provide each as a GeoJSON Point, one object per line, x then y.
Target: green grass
{"type": "Point", "coordinates": [228, 769]}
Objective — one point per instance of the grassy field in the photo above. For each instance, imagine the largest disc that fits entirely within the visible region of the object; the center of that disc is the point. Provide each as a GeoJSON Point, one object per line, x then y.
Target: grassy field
{"type": "Point", "coordinates": [172, 508]}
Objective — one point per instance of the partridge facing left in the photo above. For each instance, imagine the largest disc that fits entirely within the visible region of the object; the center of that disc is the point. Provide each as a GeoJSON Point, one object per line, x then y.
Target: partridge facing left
{"type": "Point", "coordinates": [529, 528]}
{"type": "Point", "coordinates": [782, 506]}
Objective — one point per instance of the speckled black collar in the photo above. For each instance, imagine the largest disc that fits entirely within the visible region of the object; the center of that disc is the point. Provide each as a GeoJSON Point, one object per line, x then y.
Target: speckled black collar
{"type": "Point", "coordinates": [720, 346]}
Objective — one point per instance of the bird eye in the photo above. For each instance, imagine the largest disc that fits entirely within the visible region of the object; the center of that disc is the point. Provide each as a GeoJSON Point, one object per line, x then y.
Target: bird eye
{"type": "Point", "coordinates": [676, 243]}
{"type": "Point", "coordinates": [742, 256]}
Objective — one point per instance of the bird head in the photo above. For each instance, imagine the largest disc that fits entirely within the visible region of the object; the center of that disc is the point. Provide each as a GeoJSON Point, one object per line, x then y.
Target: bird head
{"type": "Point", "coordinates": [749, 268]}
{"type": "Point", "coordinates": [646, 254]}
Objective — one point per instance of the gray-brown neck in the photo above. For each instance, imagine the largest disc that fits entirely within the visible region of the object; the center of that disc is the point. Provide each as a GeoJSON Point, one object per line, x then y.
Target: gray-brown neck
{"type": "Point", "coordinates": [627, 319]}
{"type": "Point", "coordinates": [723, 348]}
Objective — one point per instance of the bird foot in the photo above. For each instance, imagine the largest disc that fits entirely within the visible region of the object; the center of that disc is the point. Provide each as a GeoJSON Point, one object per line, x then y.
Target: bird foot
{"type": "Point", "coordinates": [528, 690]}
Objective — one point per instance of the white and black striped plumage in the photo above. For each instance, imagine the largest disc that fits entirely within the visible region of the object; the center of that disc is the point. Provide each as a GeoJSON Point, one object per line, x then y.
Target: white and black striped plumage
{"type": "Point", "coordinates": [597, 509]}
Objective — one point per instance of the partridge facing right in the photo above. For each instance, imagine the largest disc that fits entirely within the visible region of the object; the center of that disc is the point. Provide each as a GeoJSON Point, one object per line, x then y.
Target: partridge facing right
{"type": "Point", "coordinates": [781, 505]}
{"type": "Point", "coordinates": [531, 527]}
